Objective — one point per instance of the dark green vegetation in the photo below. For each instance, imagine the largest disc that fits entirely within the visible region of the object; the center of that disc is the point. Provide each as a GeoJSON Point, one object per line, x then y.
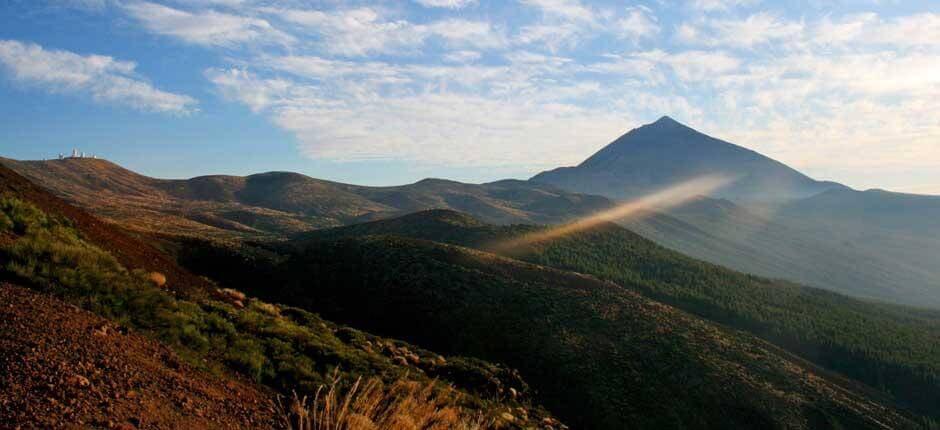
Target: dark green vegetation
{"type": "Point", "coordinates": [285, 348]}
{"type": "Point", "coordinates": [893, 348]}
{"type": "Point", "coordinates": [595, 353]}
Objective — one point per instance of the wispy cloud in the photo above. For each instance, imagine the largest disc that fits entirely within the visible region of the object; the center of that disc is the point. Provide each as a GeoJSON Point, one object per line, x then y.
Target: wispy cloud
{"type": "Point", "coordinates": [756, 29]}
{"type": "Point", "coordinates": [449, 4]}
{"type": "Point", "coordinates": [721, 5]}
{"type": "Point", "coordinates": [103, 78]}
{"type": "Point", "coordinates": [904, 31]}
{"type": "Point", "coordinates": [362, 31]}
{"type": "Point", "coordinates": [206, 27]}
{"type": "Point", "coordinates": [640, 22]}
{"type": "Point", "coordinates": [439, 127]}
{"type": "Point", "coordinates": [572, 10]}
{"type": "Point", "coordinates": [463, 56]}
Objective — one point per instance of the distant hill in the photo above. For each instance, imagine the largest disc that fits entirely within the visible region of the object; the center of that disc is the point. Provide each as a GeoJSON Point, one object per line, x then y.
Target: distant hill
{"type": "Point", "coordinates": [912, 214]}
{"type": "Point", "coordinates": [666, 152]}
{"type": "Point", "coordinates": [843, 252]}
{"type": "Point", "coordinates": [856, 338]}
{"type": "Point", "coordinates": [278, 203]}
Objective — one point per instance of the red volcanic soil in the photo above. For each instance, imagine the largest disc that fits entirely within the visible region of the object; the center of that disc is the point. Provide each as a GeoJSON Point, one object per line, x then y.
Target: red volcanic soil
{"type": "Point", "coordinates": [62, 367]}
{"type": "Point", "coordinates": [131, 252]}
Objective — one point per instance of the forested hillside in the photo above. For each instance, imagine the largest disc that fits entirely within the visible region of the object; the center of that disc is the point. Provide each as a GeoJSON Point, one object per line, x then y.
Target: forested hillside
{"type": "Point", "coordinates": [889, 347]}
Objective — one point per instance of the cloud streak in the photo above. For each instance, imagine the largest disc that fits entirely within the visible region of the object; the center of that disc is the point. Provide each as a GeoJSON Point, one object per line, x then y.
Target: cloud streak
{"type": "Point", "coordinates": [104, 79]}
{"type": "Point", "coordinates": [207, 27]}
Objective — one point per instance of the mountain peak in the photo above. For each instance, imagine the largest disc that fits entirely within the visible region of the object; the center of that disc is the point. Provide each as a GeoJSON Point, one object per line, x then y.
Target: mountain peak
{"type": "Point", "coordinates": [666, 120]}
{"type": "Point", "coordinates": [666, 152]}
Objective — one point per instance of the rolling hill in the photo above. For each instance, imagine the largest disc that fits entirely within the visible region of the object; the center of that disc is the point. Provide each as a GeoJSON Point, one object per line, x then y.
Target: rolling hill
{"type": "Point", "coordinates": [599, 355]}
{"type": "Point", "coordinates": [864, 261]}
{"type": "Point", "coordinates": [278, 203]}
{"type": "Point", "coordinates": [890, 347]}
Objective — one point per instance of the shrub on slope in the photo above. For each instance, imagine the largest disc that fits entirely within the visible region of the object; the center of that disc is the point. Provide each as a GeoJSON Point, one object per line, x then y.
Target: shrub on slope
{"type": "Point", "coordinates": [598, 355]}
{"type": "Point", "coordinates": [892, 348]}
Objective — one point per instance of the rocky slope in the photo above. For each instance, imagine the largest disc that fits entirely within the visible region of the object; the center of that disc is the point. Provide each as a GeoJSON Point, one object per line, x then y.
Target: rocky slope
{"type": "Point", "coordinates": [64, 367]}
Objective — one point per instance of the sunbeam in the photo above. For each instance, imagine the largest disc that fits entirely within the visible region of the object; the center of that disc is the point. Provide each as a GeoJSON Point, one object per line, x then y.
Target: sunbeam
{"type": "Point", "coordinates": [664, 199]}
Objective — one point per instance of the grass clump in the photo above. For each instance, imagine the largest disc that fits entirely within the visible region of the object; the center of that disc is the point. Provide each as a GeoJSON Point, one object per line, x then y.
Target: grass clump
{"type": "Point", "coordinates": [372, 405]}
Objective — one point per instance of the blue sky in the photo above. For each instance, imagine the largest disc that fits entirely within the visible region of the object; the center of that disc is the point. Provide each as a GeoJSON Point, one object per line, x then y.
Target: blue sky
{"type": "Point", "coordinates": [474, 90]}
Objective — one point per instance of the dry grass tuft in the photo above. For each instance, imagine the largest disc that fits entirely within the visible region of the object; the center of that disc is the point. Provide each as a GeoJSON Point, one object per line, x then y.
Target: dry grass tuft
{"type": "Point", "coordinates": [157, 278]}
{"type": "Point", "coordinates": [373, 405]}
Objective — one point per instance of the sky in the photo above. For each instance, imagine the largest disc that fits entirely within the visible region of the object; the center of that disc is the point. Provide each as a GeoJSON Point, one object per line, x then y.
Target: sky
{"type": "Point", "coordinates": [390, 92]}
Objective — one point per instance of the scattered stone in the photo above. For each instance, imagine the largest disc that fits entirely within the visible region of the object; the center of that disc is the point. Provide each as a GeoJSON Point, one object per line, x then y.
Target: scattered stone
{"type": "Point", "coordinates": [79, 381]}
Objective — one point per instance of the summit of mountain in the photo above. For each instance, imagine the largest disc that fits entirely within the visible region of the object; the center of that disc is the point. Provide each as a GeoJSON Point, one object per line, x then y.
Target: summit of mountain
{"type": "Point", "coordinates": [666, 152]}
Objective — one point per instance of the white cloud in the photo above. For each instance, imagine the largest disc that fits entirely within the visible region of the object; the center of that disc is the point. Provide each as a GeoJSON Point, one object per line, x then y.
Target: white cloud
{"type": "Point", "coordinates": [868, 28]}
{"type": "Point", "coordinates": [639, 23]}
{"type": "Point", "coordinates": [757, 29]}
{"type": "Point", "coordinates": [449, 4]}
{"type": "Point", "coordinates": [564, 24]}
{"type": "Point", "coordinates": [436, 127]}
{"type": "Point", "coordinates": [913, 30]}
{"type": "Point", "coordinates": [463, 56]}
{"type": "Point", "coordinates": [362, 31]}
{"type": "Point", "coordinates": [105, 79]}
{"type": "Point", "coordinates": [206, 27]}
{"type": "Point", "coordinates": [571, 10]}
{"type": "Point", "coordinates": [846, 29]}
{"type": "Point", "coordinates": [689, 66]}
{"type": "Point", "coordinates": [552, 36]}
{"type": "Point", "coordinates": [713, 5]}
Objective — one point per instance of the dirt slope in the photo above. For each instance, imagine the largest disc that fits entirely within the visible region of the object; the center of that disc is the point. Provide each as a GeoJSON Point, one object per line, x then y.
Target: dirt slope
{"type": "Point", "coordinates": [130, 251]}
{"type": "Point", "coordinates": [63, 367]}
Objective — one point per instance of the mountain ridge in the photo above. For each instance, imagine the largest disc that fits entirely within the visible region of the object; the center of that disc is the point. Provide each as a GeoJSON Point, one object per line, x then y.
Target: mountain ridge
{"type": "Point", "coordinates": [666, 152]}
{"type": "Point", "coordinates": [276, 203]}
